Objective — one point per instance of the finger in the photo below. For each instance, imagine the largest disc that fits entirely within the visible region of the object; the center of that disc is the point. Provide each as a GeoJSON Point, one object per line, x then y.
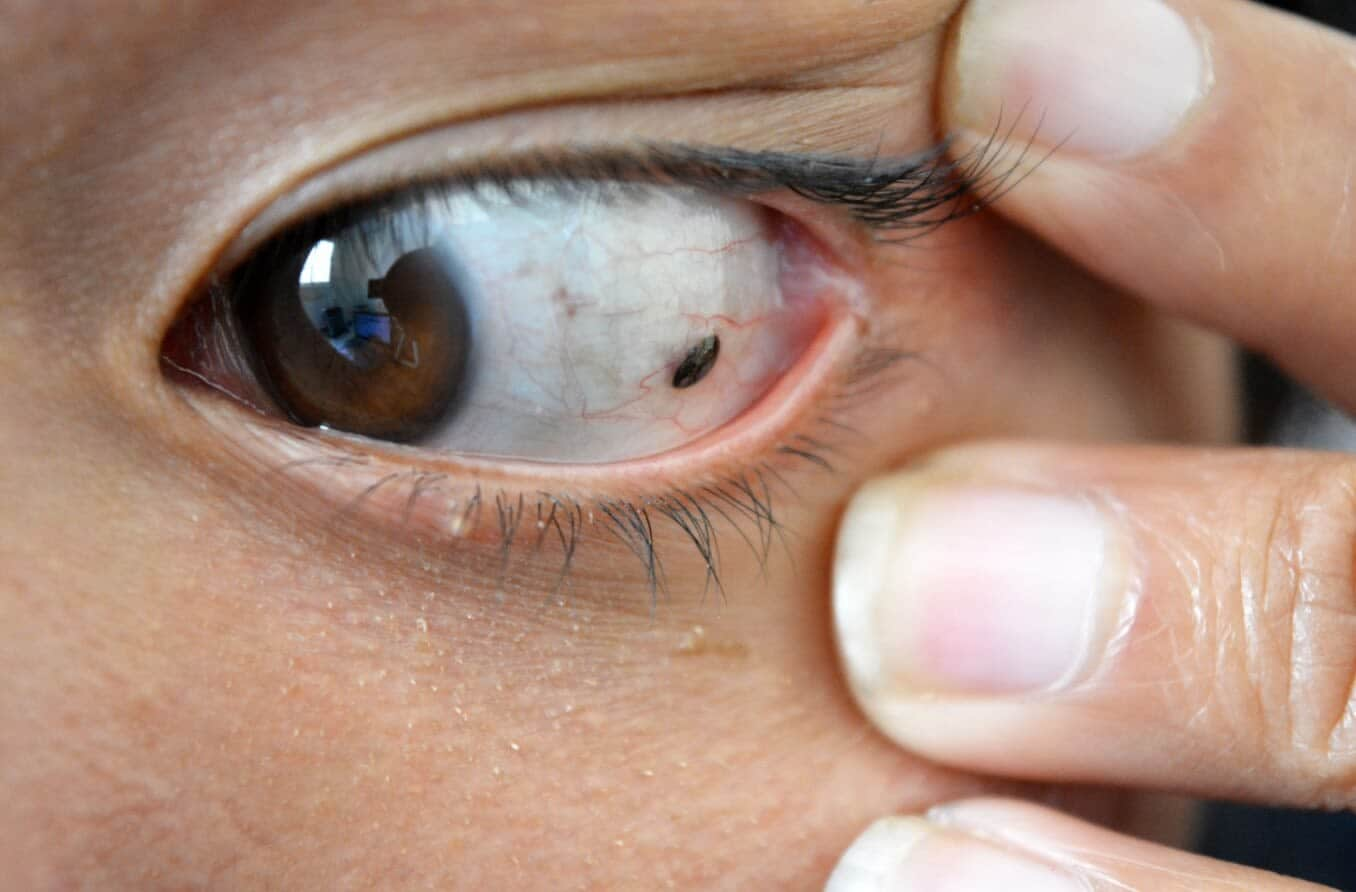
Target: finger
{"type": "Point", "coordinates": [1197, 153]}
{"type": "Point", "coordinates": [1151, 617]}
{"type": "Point", "coordinates": [998, 845]}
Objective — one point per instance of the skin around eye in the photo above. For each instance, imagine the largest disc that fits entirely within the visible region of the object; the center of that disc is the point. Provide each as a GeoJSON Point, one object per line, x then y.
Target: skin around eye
{"type": "Point", "coordinates": [594, 323]}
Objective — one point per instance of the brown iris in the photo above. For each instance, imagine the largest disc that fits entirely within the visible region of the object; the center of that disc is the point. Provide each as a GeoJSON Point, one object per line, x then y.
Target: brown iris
{"type": "Point", "coordinates": [385, 358]}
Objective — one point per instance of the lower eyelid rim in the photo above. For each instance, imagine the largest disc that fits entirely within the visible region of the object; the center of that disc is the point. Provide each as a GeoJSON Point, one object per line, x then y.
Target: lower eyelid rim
{"type": "Point", "coordinates": [734, 488]}
{"type": "Point", "coordinates": [817, 280]}
{"type": "Point", "coordinates": [757, 430]}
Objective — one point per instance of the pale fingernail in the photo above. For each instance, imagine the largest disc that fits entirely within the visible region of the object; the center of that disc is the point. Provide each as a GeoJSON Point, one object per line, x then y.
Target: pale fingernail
{"type": "Point", "coordinates": [958, 588]}
{"type": "Point", "coordinates": [1110, 78]}
{"type": "Point", "coordinates": [912, 855]}
{"type": "Point", "coordinates": [875, 860]}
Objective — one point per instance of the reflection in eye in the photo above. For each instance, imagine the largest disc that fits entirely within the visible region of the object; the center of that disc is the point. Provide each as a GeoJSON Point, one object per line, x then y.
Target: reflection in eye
{"type": "Point", "coordinates": [588, 324]}
{"type": "Point", "coordinates": [385, 358]}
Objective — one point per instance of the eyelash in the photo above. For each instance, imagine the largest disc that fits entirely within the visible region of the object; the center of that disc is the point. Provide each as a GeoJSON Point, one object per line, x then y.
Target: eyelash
{"type": "Point", "coordinates": [897, 200]}
{"type": "Point", "coordinates": [741, 503]}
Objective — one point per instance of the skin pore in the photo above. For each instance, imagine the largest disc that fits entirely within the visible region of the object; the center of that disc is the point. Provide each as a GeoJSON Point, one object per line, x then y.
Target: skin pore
{"type": "Point", "coordinates": [215, 677]}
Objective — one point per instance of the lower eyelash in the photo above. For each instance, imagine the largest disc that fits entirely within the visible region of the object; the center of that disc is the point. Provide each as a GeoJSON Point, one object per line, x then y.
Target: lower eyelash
{"type": "Point", "coordinates": [741, 509]}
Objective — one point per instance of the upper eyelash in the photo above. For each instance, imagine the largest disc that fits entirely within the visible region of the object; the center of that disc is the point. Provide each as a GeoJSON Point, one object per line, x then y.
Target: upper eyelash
{"type": "Point", "coordinates": [914, 194]}
{"type": "Point", "coordinates": [911, 195]}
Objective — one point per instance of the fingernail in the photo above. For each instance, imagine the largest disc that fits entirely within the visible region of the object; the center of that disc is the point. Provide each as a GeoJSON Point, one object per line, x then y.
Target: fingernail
{"type": "Point", "coordinates": [908, 854]}
{"type": "Point", "coordinates": [1109, 78]}
{"type": "Point", "coordinates": [958, 588]}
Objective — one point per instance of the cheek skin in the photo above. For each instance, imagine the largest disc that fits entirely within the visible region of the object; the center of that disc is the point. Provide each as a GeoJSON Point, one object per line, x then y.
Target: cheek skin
{"type": "Point", "coordinates": [206, 695]}
{"type": "Point", "coordinates": [205, 714]}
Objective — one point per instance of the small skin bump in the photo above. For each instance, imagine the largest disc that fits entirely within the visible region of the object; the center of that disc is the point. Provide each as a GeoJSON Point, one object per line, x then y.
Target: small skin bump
{"type": "Point", "coordinates": [697, 643]}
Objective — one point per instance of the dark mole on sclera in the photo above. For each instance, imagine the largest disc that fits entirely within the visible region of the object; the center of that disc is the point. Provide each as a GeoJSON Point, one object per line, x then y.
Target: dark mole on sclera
{"type": "Point", "coordinates": [698, 362]}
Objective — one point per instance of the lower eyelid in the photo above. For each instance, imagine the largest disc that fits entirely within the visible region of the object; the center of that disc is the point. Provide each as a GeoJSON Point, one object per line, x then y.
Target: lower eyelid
{"type": "Point", "coordinates": [506, 519]}
{"type": "Point", "coordinates": [775, 417]}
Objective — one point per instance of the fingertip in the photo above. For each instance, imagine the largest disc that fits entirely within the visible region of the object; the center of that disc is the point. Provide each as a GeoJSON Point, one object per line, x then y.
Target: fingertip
{"type": "Point", "coordinates": [996, 844]}
{"type": "Point", "coordinates": [906, 854]}
{"type": "Point", "coordinates": [974, 587]}
{"type": "Point", "coordinates": [1106, 79]}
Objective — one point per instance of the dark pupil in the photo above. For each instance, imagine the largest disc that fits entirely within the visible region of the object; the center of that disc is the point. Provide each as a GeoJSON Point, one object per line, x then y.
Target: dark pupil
{"type": "Point", "coordinates": [384, 358]}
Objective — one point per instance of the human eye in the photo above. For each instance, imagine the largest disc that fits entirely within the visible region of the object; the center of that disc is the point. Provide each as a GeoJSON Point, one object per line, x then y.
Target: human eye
{"type": "Point", "coordinates": [531, 320]}
{"type": "Point", "coordinates": [545, 344]}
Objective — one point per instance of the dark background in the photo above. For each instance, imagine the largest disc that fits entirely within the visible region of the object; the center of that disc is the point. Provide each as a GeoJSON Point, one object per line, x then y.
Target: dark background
{"type": "Point", "coordinates": [1341, 13]}
{"type": "Point", "coordinates": [1317, 847]}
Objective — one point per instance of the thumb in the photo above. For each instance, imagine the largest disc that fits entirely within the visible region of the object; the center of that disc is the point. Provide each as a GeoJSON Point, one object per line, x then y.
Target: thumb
{"type": "Point", "coordinates": [1196, 153]}
{"type": "Point", "coordinates": [999, 845]}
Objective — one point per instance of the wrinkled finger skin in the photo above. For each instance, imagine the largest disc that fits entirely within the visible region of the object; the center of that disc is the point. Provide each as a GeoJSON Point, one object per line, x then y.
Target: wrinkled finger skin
{"type": "Point", "coordinates": [1226, 668]}
{"type": "Point", "coordinates": [999, 844]}
{"type": "Point", "coordinates": [1240, 217]}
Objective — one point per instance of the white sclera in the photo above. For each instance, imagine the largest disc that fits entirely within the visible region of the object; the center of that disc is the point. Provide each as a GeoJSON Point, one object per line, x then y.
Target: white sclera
{"type": "Point", "coordinates": [584, 301]}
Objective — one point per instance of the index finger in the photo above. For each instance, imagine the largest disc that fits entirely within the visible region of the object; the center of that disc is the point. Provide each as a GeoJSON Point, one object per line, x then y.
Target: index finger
{"type": "Point", "coordinates": [1198, 153]}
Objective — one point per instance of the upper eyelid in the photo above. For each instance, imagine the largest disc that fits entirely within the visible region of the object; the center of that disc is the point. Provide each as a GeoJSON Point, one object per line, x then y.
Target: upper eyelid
{"type": "Point", "coordinates": [914, 193]}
